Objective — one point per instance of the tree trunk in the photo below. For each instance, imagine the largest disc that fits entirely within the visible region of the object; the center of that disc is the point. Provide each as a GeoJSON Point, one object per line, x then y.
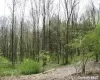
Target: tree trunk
{"type": "Point", "coordinates": [97, 58]}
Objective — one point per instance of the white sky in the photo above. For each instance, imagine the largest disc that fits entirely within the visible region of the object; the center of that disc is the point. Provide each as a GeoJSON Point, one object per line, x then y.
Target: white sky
{"type": "Point", "coordinates": [4, 8]}
{"type": "Point", "coordinates": [5, 11]}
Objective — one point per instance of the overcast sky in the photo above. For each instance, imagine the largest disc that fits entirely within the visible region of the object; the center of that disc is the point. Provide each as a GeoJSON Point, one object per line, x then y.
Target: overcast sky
{"type": "Point", "coordinates": [4, 10]}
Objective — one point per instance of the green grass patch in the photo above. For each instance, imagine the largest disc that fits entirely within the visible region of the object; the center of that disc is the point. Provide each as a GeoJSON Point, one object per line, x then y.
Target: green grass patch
{"type": "Point", "coordinates": [6, 68]}
{"type": "Point", "coordinates": [29, 66]}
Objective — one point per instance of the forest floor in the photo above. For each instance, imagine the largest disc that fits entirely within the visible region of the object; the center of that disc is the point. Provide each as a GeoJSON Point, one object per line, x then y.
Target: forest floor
{"type": "Point", "coordinates": [61, 73]}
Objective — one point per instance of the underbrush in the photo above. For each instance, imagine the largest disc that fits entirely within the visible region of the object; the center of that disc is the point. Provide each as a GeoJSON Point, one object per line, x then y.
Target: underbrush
{"type": "Point", "coordinates": [6, 68]}
{"type": "Point", "coordinates": [29, 66]}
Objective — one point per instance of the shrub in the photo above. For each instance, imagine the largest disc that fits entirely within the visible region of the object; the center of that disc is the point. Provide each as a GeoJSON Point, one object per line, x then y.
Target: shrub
{"type": "Point", "coordinates": [3, 60]}
{"type": "Point", "coordinates": [8, 72]}
{"type": "Point", "coordinates": [29, 66]}
{"type": "Point", "coordinates": [5, 67]}
{"type": "Point", "coordinates": [4, 63]}
{"type": "Point", "coordinates": [44, 60]}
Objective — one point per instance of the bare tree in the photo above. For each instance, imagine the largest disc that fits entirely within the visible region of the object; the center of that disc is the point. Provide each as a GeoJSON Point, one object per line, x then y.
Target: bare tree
{"type": "Point", "coordinates": [21, 36]}
{"type": "Point", "coordinates": [12, 36]}
{"type": "Point", "coordinates": [70, 5]}
{"type": "Point", "coordinates": [44, 18]}
{"type": "Point", "coordinates": [33, 14]}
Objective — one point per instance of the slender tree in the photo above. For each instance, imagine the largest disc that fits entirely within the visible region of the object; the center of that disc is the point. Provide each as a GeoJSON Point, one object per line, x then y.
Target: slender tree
{"type": "Point", "coordinates": [21, 35]}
